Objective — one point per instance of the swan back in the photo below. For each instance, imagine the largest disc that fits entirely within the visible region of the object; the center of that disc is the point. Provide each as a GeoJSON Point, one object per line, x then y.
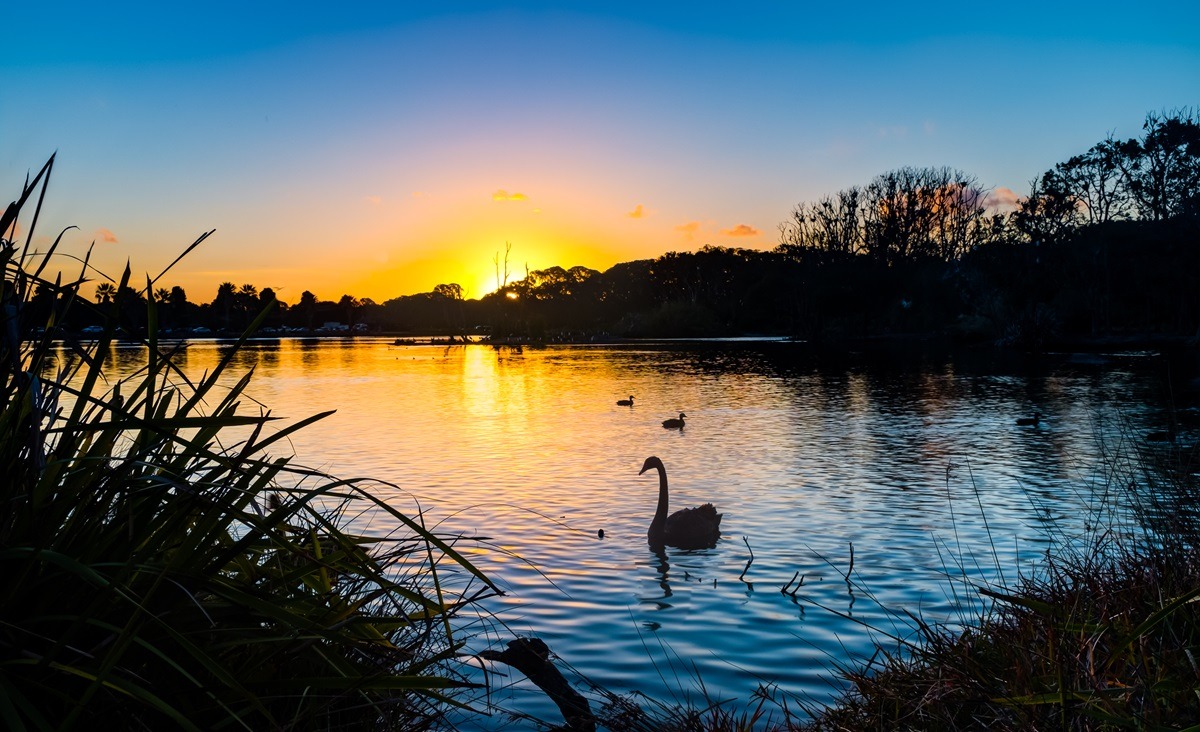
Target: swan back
{"type": "Point", "coordinates": [688, 528]}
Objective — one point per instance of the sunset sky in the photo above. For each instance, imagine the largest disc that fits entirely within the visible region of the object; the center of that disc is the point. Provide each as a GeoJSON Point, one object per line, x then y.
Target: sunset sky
{"type": "Point", "coordinates": [379, 149]}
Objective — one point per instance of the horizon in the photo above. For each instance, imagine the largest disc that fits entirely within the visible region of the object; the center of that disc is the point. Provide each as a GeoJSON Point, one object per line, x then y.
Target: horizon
{"type": "Point", "coordinates": [383, 153]}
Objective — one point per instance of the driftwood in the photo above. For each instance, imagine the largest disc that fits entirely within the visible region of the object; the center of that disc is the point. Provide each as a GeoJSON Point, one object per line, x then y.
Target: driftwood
{"type": "Point", "coordinates": [531, 657]}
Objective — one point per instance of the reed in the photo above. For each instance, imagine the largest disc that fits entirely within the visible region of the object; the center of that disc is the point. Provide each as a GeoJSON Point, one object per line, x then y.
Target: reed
{"type": "Point", "coordinates": [165, 569]}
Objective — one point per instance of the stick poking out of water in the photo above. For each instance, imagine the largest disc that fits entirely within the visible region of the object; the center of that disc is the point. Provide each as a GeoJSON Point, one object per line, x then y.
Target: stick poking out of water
{"type": "Point", "coordinates": [748, 562]}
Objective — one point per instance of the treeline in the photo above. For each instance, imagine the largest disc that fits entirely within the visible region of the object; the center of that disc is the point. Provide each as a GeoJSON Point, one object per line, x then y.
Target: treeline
{"type": "Point", "coordinates": [1105, 243]}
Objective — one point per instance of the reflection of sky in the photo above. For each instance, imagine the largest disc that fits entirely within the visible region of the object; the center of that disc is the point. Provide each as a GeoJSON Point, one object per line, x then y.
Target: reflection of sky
{"type": "Point", "coordinates": [379, 151]}
{"type": "Point", "coordinates": [919, 466]}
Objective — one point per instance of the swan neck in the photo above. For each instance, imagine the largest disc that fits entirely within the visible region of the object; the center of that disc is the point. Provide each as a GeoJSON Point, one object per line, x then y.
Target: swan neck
{"type": "Point", "coordinates": [660, 515]}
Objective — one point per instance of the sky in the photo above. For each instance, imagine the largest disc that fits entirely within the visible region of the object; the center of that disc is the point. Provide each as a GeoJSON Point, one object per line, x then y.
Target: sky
{"type": "Point", "coordinates": [380, 149]}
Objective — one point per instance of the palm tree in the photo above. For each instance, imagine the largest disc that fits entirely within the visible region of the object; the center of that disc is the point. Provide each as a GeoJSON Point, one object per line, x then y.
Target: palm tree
{"type": "Point", "coordinates": [162, 295]}
{"type": "Point", "coordinates": [224, 301]}
{"type": "Point", "coordinates": [105, 292]}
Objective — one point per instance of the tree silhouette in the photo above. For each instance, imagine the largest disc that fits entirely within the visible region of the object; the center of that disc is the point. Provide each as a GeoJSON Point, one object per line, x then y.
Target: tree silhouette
{"type": "Point", "coordinates": [225, 301]}
{"type": "Point", "coordinates": [308, 306]}
{"type": "Point", "coordinates": [1162, 169]}
{"type": "Point", "coordinates": [106, 292]}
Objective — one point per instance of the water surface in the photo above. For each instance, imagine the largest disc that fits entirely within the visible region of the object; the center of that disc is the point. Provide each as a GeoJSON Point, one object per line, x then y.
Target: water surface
{"type": "Point", "coordinates": [910, 467]}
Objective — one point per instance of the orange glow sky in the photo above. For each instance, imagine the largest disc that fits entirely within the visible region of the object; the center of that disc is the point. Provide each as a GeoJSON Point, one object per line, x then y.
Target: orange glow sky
{"type": "Point", "coordinates": [382, 151]}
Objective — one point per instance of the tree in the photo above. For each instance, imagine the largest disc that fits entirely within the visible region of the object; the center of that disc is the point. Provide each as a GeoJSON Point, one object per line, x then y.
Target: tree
{"type": "Point", "coordinates": [921, 212]}
{"type": "Point", "coordinates": [308, 306]}
{"type": "Point", "coordinates": [452, 291]}
{"type": "Point", "coordinates": [900, 215]}
{"type": "Point", "coordinates": [1050, 212]}
{"type": "Point", "coordinates": [1161, 171]}
{"type": "Point", "coordinates": [106, 292]}
{"type": "Point", "coordinates": [162, 295]}
{"type": "Point", "coordinates": [225, 301]}
{"type": "Point", "coordinates": [1094, 180]}
{"type": "Point", "coordinates": [829, 226]}
{"type": "Point", "coordinates": [349, 305]}
{"type": "Point", "coordinates": [502, 283]}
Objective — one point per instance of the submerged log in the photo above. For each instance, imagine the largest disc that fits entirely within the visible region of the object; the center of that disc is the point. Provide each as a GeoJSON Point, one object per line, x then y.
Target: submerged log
{"type": "Point", "coordinates": [531, 656]}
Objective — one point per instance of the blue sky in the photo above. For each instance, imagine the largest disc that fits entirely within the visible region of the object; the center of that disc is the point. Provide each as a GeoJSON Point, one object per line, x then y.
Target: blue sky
{"type": "Point", "coordinates": [363, 149]}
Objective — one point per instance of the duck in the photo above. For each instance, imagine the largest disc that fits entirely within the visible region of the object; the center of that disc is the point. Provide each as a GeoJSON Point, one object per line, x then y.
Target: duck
{"type": "Point", "coordinates": [1029, 421]}
{"type": "Point", "coordinates": [625, 402]}
{"type": "Point", "coordinates": [674, 424]}
{"type": "Point", "coordinates": [687, 528]}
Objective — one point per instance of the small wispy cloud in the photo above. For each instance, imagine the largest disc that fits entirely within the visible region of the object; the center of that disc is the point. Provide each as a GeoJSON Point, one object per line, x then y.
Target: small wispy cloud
{"type": "Point", "coordinates": [1002, 199]}
{"type": "Point", "coordinates": [741, 230]}
{"type": "Point", "coordinates": [689, 229]}
{"type": "Point", "coordinates": [418, 194]}
{"type": "Point", "coordinates": [929, 126]}
{"type": "Point", "coordinates": [374, 200]}
{"type": "Point", "coordinates": [503, 195]}
{"type": "Point", "coordinates": [637, 212]}
{"type": "Point", "coordinates": [105, 235]}
{"type": "Point", "coordinates": [896, 131]}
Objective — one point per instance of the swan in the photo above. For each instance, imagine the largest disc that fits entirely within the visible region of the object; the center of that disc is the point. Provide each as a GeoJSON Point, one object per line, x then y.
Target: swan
{"type": "Point", "coordinates": [625, 402]}
{"type": "Point", "coordinates": [1029, 421]}
{"type": "Point", "coordinates": [675, 424]}
{"type": "Point", "coordinates": [688, 528]}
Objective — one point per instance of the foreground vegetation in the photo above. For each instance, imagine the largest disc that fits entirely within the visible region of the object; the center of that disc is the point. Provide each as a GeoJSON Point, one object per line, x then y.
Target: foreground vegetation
{"type": "Point", "coordinates": [166, 571]}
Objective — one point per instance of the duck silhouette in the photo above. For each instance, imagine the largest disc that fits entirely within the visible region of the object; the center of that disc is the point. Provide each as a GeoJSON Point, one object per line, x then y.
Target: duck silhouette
{"type": "Point", "coordinates": [674, 424]}
{"type": "Point", "coordinates": [687, 528]}
{"type": "Point", "coordinates": [625, 402]}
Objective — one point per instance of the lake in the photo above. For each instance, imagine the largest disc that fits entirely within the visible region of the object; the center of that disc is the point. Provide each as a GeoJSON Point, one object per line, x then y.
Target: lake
{"type": "Point", "coordinates": [908, 466]}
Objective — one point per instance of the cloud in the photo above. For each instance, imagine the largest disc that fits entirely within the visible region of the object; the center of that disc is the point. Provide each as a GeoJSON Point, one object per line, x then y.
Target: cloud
{"type": "Point", "coordinates": [741, 230]}
{"type": "Point", "coordinates": [929, 126]}
{"type": "Point", "coordinates": [899, 131]}
{"type": "Point", "coordinates": [106, 235]}
{"type": "Point", "coordinates": [503, 195]}
{"type": "Point", "coordinates": [637, 213]}
{"type": "Point", "coordinates": [689, 229]}
{"type": "Point", "coordinates": [1002, 199]}
{"type": "Point", "coordinates": [374, 200]}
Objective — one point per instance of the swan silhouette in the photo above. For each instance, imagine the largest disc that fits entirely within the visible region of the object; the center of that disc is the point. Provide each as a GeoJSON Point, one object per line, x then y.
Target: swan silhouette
{"type": "Point", "coordinates": [674, 424]}
{"type": "Point", "coordinates": [625, 402]}
{"type": "Point", "coordinates": [1029, 421]}
{"type": "Point", "coordinates": [688, 528]}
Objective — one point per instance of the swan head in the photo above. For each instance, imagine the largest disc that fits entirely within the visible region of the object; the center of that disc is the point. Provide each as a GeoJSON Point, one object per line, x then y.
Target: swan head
{"type": "Point", "coordinates": [650, 464]}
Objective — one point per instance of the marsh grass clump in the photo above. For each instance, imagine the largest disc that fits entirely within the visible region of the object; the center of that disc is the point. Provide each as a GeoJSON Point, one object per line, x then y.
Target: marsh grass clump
{"type": "Point", "coordinates": [166, 571]}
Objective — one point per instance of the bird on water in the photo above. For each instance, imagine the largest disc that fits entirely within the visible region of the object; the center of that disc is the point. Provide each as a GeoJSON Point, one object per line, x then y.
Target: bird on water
{"type": "Point", "coordinates": [688, 528]}
{"type": "Point", "coordinates": [1029, 421]}
{"type": "Point", "coordinates": [674, 424]}
{"type": "Point", "coordinates": [625, 402]}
